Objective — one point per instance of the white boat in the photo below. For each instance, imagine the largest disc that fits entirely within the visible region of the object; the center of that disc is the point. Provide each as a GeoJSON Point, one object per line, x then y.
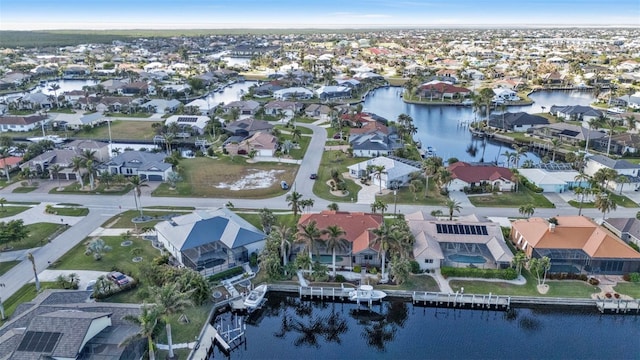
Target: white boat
{"type": "Point", "coordinates": [254, 299]}
{"type": "Point", "coordinates": [53, 138]}
{"type": "Point", "coordinates": [366, 293]}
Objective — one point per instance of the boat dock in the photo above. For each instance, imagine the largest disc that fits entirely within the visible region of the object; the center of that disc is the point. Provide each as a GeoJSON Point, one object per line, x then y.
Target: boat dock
{"type": "Point", "coordinates": [435, 299]}
{"type": "Point", "coordinates": [330, 293]}
{"type": "Point", "coordinates": [618, 306]}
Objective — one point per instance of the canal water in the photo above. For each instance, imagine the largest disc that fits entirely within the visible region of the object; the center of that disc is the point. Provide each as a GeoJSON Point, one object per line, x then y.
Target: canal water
{"type": "Point", "coordinates": [290, 328]}
{"type": "Point", "coordinates": [445, 128]}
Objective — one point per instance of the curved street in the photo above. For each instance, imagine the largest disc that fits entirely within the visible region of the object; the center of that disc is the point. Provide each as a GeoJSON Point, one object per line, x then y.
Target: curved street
{"type": "Point", "coordinates": [102, 207]}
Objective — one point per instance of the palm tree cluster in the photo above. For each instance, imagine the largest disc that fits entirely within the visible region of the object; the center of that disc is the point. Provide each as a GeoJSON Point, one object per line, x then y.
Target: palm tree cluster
{"type": "Point", "coordinates": [433, 167]}
{"type": "Point", "coordinates": [405, 127]}
{"type": "Point", "coordinates": [297, 203]}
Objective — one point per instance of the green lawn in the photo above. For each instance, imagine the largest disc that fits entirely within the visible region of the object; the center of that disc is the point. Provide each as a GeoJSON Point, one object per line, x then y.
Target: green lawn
{"type": "Point", "coordinates": [182, 333]}
{"type": "Point", "coordinates": [7, 265]}
{"type": "Point", "coordinates": [39, 234]}
{"type": "Point", "coordinates": [123, 220]}
{"type": "Point", "coordinates": [330, 161]}
{"type": "Point", "coordinates": [565, 288]}
{"type": "Point", "coordinates": [203, 176]}
{"type": "Point", "coordinates": [415, 282]}
{"type": "Point", "coordinates": [70, 211]}
{"type": "Point", "coordinates": [512, 199]}
{"type": "Point", "coordinates": [24, 294]}
{"type": "Point", "coordinates": [7, 211]}
{"type": "Point", "coordinates": [130, 129]}
{"type": "Point", "coordinates": [254, 219]}
{"type": "Point", "coordinates": [631, 289]}
{"type": "Point", "coordinates": [101, 189]}
{"type": "Point", "coordinates": [24, 189]}
{"type": "Point", "coordinates": [407, 197]}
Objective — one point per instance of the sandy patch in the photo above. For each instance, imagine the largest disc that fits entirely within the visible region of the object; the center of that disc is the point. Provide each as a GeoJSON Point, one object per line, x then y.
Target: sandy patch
{"type": "Point", "coordinates": [543, 289]}
{"type": "Point", "coordinates": [256, 179]}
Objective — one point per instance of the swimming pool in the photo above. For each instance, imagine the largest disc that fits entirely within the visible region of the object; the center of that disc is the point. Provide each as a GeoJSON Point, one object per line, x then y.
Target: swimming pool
{"type": "Point", "coordinates": [467, 259]}
{"type": "Point", "coordinates": [327, 259]}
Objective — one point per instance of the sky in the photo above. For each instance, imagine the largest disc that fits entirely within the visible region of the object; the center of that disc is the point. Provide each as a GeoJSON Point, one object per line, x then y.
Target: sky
{"type": "Point", "coordinates": [221, 14]}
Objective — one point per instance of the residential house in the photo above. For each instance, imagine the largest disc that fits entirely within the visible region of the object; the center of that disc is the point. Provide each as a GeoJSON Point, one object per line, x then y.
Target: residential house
{"type": "Point", "coordinates": [10, 163]}
{"type": "Point", "coordinates": [627, 229]}
{"type": "Point", "coordinates": [565, 132]}
{"type": "Point", "coordinates": [201, 106]}
{"type": "Point", "coordinates": [263, 143]}
{"type": "Point", "coordinates": [267, 90]}
{"type": "Point", "coordinates": [189, 124]}
{"type": "Point", "coordinates": [293, 93]}
{"type": "Point", "coordinates": [61, 157]}
{"type": "Point", "coordinates": [284, 108]}
{"type": "Point", "coordinates": [210, 241]}
{"type": "Point", "coordinates": [441, 90]}
{"type": "Point", "coordinates": [327, 93]}
{"type": "Point", "coordinates": [35, 101]}
{"type": "Point", "coordinates": [575, 112]}
{"type": "Point", "coordinates": [373, 139]}
{"type": "Point", "coordinates": [146, 165]}
{"type": "Point", "coordinates": [397, 172]}
{"type": "Point", "coordinates": [67, 324]}
{"type": "Point", "coordinates": [620, 144]}
{"type": "Point", "coordinates": [621, 166]}
{"type": "Point", "coordinates": [134, 88]}
{"type": "Point", "coordinates": [161, 106]}
{"type": "Point", "coordinates": [318, 111]}
{"type": "Point", "coordinates": [99, 148]}
{"type": "Point", "coordinates": [503, 94]}
{"type": "Point", "coordinates": [112, 85]}
{"type": "Point", "coordinates": [247, 127]}
{"type": "Point", "coordinates": [574, 245]}
{"type": "Point", "coordinates": [75, 71]}
{"type": "Point", "coordinates": [22, 123]}
{"type": "Point", "coordinates": [249, 107]}
{"type": "Point", "coordinates": [554, 181]}
{"type": "Point", "coordinates": [465, 176]}
{"type": "Point", "coordinates": [467, 241]}
{"type": "Point", "coordinates": [358, 227]}
{"type": "Point", "coordinates": [518, 122]}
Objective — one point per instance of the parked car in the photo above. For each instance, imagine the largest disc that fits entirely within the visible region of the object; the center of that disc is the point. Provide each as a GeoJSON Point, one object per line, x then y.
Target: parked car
{"type": "Point", "coordinates": [284, 185]}
{"type": "Point", "coordinates": [90, 285]}
{"type": "Point", "coordinates": [118, 277]}
{"type": "Point", "coordinates": [313, 176]}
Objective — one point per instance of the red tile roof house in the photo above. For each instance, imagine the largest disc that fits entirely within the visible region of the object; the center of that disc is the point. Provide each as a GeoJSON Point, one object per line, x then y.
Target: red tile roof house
{"type": "Point", "coordinates": [442, 90]}
{"type": "Point", "coordinates": [465, 175]}
{"type": "Point", "coordinates": [358, 227]}
{"type": "Point", "coordinates": [576, 244]}
{"type": "Point", "coordinates": [10, 163]}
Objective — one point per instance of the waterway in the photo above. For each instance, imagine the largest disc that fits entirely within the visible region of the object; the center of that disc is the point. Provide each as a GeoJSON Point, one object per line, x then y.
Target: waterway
{"type": "Point", "coordinates": [290, 328]}
{"type": "Point", "coordinates": [445, 128]}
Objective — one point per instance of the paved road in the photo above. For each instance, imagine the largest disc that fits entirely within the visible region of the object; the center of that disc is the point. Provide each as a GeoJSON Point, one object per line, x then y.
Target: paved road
{"type": "Point", "coordinates": [103, 207]}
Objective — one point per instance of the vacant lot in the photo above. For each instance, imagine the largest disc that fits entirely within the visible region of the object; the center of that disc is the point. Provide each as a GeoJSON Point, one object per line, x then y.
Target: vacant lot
{"type": "Point", "coordinates": [512, 199]}
{"type": "Point", "coordinates": [120, 129]}
{"type": "Point", "coordinates": [230, 178]}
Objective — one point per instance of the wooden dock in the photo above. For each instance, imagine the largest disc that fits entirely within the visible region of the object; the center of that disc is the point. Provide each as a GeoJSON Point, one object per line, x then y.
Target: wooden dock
{"type": "Point", "coordinates": [204, 348]}
{"type": "Point", "coordinates": [329, 293]}
{"type": "Point", "coordinates": [473, 301]}
{"type": "Point", "coordinates": [618, 306]}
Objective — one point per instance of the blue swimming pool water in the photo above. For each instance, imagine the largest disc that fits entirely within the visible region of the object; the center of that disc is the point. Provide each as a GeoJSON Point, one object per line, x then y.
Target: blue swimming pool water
{"type": "Point", "coordinates": [468, 259]}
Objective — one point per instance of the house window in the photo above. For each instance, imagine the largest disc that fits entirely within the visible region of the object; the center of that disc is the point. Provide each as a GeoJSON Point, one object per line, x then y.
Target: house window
{"type": "Point", "coordinates": [428, 261]}
{"type": "Point", "coordinates": [368, 257]}
{"type": "Point", "coordinates": [129, 171]}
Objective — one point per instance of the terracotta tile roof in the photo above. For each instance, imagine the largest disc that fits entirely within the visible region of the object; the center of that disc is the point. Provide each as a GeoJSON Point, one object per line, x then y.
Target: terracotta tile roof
{"type": "Point", "coordinates": [574, 232]}
{"type": "Point", "coordinates": [10, 161]}
{"type": "Point", "coordinates": [355, 224]}
{"type": "Point", "coordinates": [473, 174]}
{"type": "Point", "coordinates": [442, 87]}
{"type": "Point", "coordinates": [21, 120]}
{"type": "Point", "coordinates": [371, 126]}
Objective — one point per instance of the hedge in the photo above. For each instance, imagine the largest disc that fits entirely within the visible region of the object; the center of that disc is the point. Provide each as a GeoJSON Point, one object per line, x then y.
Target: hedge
{"type": "Point", "coordinates": [505, 274]}
{"type": "Point", "coordinates": [226, 274]}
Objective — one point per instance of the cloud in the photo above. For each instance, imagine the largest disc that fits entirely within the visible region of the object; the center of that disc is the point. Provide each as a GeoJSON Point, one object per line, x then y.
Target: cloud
{"type": "Point", "coordinates": [360, 16]}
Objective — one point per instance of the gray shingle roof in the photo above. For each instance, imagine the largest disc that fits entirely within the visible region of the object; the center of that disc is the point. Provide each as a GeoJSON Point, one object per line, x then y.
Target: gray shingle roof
{"type": "Point", "coordinates": [613, 164]}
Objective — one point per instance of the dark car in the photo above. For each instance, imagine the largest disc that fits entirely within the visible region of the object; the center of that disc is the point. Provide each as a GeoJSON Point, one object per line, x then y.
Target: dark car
{"type": "Point", "coordinates": [284, 185]}
{"type": "Point", "coordinates": [118, 277]}
{"type": "Point", "coordinates": [313, 176]}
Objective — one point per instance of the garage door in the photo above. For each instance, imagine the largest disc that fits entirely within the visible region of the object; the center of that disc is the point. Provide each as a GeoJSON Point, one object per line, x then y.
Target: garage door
{"type": "Point", "coordinates": [71, 176]}
{"type": "Point", "coordinates": [155, 177]}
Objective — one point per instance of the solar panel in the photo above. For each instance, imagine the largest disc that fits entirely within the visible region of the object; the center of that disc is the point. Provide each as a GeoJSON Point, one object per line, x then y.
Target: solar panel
{"type": "Point", "coordinates": [39, 341]}
{"type": "Point", "coordinates": [187, 119]}
{"type": "Point", "coordinates": [459, 229]}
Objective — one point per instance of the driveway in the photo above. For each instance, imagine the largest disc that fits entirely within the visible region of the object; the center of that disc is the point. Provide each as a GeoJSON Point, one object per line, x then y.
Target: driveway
{"type": "Point", "coordinates": [461, 198]}
{"type": "Point", "coordinates": [84, 275]}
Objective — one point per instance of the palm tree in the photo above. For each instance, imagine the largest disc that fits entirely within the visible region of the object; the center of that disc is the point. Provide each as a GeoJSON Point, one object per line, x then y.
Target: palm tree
{"type": "Point", "coordinates": [296, 134]}
{"type": "Point", "coordinates": [335, 241]}
{"type": "Point", "coordinates": [604, 203]}
{"type": "Point", "coordinates": [285, 235]}
{"type": "Point", "coordinates": [147, 321]}
{"type": "Point", "coordinates": [55, 170]}
{"type": "Point", "coordinates": [35, 271]}
{"type": "Point", "coordinates": [430, 166]}
{"type": "Point", "coordinates": [333, 206]}
{"type": "Point", "coordinates": [517, 179]}
{"type": "Point", "coordinates": [611, 124]}
{"type": "Point", "coordinates": [170, 299]}
{"type": "Point", "coordinates": [55, 87]}
{"type": "Point", "coordinates": [382, 240]}
{"type": "Point", "coordinates": [622, 179]}
{"type": "Point", "coordinates": [309, 234]}
{"type": "Point", "coordinates": [518, 261]}
{"type": "Point", "coordinates": [539, 268]}
{"type": "Point", "coordinates": [379, 205]}
{"type": "Point", "coordinates": [452, 205]}
{"type": "Point", "coordinates": [527, 210]}
{"type": "Point", "coordinates": [77, 165]}
{"type": "Point", "coordinates": [509, 156]}
{"type": "Point", "coordinates": [137, 183]}
{"type": "Point", "coordinates": [594, 124]}
{"type": "Point", "coordinates": [378, 171]}
{"type": "Point", "coordinates": [580, 178]}
{"type": "Point", "coordinates": [555, 143]}
{"type": "Point", "coordinates": [293, 200]}
{"type": "Point", "coordinates": [4, 154]}
{"type": "Point", "coordinates": [519, 151]}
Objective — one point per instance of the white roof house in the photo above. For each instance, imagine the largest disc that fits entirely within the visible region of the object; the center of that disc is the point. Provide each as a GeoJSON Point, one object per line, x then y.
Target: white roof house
{"type": "Point", "coordinates": [396, 173]}
{"type": "Point", "coordinates": [195, 122]}
{"type": "Point", "coordinates": [553, 181]}
{"type": "Point", "coordinates": [210, 241]}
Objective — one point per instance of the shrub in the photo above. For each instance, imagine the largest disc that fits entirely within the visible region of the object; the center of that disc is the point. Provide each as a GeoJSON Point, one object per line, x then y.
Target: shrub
{"type": "Point", "coordinates": [593, 281]}
{"type": "Point", "coordinates": [634, 247]}
{"type": "Point", "coordinates": [506, 274]}
{"type": "Point", "coordinates": [415, 267]}
{"type": "Point", "coordinates": [373, 270]}
{"type": "Point", "coordinates": [253, 259]}
{"type": "Point", "coordinates": [340, 278]}
{"type": "Point", "coordinates": [357, 268]}
{"type": "Point", "coordinates": [226, 274]}
{"type": "Point", "coordinates": [634, 277]}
